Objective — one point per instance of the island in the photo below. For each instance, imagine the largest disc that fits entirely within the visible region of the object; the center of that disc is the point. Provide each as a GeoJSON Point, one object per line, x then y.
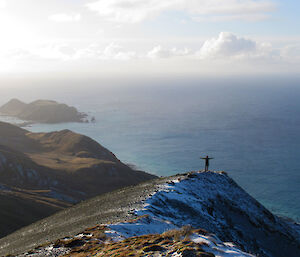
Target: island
{"type": "Point", "coordinates": [42, 111]}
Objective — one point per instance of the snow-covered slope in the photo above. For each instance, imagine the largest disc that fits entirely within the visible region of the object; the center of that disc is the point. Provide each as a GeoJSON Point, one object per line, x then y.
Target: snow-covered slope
{"type": "Point", "coordinates": [213, 201]}
{"type": "Point", "coordinates": [152, 225]}
{"type": "Point", "coordinates": [103, 241]}
{"type": "Point", "coordinates": [237, 224]}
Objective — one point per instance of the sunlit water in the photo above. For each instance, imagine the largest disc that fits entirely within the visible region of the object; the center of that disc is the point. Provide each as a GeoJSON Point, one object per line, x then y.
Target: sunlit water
{"type": "Point", "coordinates": [250, 127]}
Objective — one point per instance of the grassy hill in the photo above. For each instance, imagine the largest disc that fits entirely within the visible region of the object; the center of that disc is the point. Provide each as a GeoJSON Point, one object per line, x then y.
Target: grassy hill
{"type": "Point", "coordinates": [63, 166]}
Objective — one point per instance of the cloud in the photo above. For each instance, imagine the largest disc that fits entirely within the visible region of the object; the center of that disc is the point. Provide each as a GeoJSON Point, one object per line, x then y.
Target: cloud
{"type": "Point", "coordinates": [159, 52]}
{"type": "Point", "coordinates": [64, 17]}
{"type": "Point", "coordinates": [17, 54]}
{"type": "Point", "coordinates": [291, 52]}
{"type": "Point", "coordinates": [49, 51]}
{"type": "Point", "coordinates": [228, 45]}
{"type": "Point", "coordinates": [112, 51]}
{"type": "Point", "coordinates": [225, 52]}
{"type": "Point", "coordinates": [133, 11]}
{"type": "Point", "coordinates": [116, 52]}
{"type": "Point", "coordinates": [128, 11]}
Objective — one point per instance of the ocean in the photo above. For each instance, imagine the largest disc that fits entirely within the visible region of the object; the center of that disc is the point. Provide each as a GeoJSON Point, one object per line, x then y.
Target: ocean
{"type": "Point", "coordinates": [250, 126]}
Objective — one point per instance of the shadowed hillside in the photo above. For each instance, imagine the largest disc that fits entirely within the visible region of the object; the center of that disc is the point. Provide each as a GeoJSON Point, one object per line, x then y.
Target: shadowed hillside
{"type": "Point", "coordinates": [55, 169]}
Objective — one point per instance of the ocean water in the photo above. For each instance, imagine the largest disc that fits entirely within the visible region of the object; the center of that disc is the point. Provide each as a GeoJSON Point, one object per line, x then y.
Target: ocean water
{"type": "Point", "coordinates": [251, 126]}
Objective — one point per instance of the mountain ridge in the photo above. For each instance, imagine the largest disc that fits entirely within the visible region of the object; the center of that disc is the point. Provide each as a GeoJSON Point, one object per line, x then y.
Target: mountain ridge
{"type": "Point", "coordinates": [63, 166]}
{"type": "Point", "coordinates": [204, 200]}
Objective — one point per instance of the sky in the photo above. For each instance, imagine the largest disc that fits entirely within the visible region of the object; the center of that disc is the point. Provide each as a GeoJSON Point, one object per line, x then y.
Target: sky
{"type": "Point", "coordinates": [150, 36]}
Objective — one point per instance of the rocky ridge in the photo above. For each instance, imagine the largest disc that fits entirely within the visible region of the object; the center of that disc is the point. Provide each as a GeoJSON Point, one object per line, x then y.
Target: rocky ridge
{"type": "Point", "coordinates": [193, 214]}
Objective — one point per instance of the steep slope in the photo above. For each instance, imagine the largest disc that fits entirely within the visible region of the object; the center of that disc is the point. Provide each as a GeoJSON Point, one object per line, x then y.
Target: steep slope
{"type": "Point", "coordinates": [204, 200]}
{"type": "Point", "coordinates": [16, 138]}
{"type": "Point", "coordinates": [68, 160]}
{"type": "Point", "coordinates": [43, 111]}
{"type": "Point", "coordinates": [62, 166]}
{"type": "Point", "coordinates": [19, 207]}
{"type": "Point", "coordinates": [213, 201]}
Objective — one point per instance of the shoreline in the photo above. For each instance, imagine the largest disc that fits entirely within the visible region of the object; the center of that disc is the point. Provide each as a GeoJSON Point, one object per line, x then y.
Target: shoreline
{"type": "Point", "coordinates": [280, 211]}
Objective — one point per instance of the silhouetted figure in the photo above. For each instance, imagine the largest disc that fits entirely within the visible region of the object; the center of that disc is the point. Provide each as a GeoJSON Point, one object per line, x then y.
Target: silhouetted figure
{"type": "Point", "coordinates": [206, 162]}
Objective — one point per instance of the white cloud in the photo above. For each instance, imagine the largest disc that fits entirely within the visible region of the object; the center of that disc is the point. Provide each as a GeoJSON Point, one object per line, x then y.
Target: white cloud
{"type": "Point", "coordinates": [226, 52]}
{"type": "Point", "coordinates": [51, 51]}
{"type": "Point", "coordinates": [17, 54]}
{"type": "Point", "coordinates": [128, 11]}
{"type": "Point", "coordinates": [159, 52]}
{"type": "Point", "coordinates": [112, 51]}
{"type": "Point", "coordinates": [116, 52]}
{"type": "Point", "coordinates": [133, 11]}
{"type": "Point", "coordinates": [291, 52]}
{"type": "Point", "coordinates": [228, 45]}
{"type": "Point", "coordinates": [64, 17]}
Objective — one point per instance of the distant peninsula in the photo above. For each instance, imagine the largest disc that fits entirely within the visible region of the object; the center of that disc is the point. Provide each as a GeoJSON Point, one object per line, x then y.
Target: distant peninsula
{"type": "Point", "coordinates": [43, 111]}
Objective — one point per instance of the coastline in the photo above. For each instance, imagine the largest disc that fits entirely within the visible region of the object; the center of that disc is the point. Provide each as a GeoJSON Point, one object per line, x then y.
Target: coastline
{"type": "Point", "coordinates": [124, 151]}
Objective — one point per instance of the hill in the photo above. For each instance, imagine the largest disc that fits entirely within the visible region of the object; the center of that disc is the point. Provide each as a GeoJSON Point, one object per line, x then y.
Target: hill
{"type": "Point", "coordinates": [43, 111]}
{"type": "Point", "coordinates": [53, 171]}
{"type": "Point", "coordinates": [193, 214]}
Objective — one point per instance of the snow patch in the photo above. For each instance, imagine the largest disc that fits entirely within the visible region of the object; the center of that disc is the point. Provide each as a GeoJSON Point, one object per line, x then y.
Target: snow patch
{"type": "Point", "coordinates": [214, 245]}
{"type": "Point", "coordinates": [143, 226]}
{"type": "Point", "coordinates": [208, 200]}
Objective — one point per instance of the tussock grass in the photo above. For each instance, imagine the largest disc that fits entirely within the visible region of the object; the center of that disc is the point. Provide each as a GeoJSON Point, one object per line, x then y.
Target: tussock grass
{"type": "Point", "coordinates": [165, 244]}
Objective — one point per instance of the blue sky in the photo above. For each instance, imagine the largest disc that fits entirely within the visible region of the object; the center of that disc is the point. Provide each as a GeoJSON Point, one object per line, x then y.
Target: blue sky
{"type": "Point", "coordinates": [188, 36]}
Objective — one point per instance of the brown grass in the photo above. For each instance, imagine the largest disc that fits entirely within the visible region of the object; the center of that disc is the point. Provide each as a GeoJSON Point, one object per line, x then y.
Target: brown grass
{"type": "Point", "coordinates": [177, 240]}
{"type": "Point", "coordinates": [65, 162]}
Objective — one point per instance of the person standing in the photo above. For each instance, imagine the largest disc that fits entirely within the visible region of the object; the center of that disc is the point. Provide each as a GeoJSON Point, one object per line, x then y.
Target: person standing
{"type": "Point", "coordinates": [206, 162]}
